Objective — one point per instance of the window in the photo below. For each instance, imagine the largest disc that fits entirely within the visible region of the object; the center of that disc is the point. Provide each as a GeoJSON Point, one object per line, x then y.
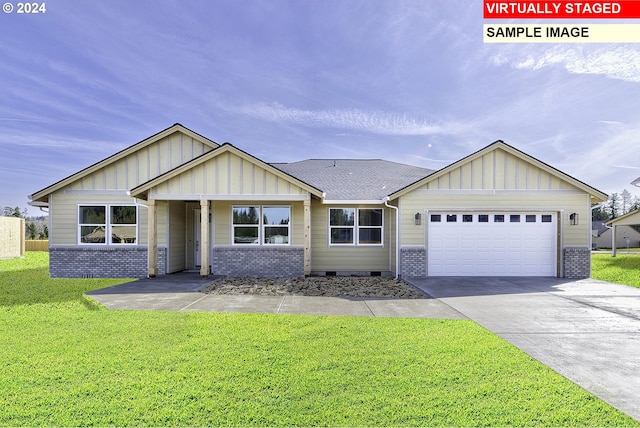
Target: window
{"type": "Point", "coordinates": [348, 226]}
{"type": "Point", "coordinates": [436, 218]}
{"type": "Point", "coordinates": [452, 218]}
{"type": "Point", "coordinates": [514, 218]}
{"type": "Point", "coordinates": [341, 224]}
{"type": "Point", "coordinates": [546, 218]}
{"type": "Point", "coordinates": [483, 218]}
{"type": "Point", "coordinates": [123, 224]}
{"type": "Point", "coordinates": [370, 226]}
{"type": "Point", "coordinates": [467, 218]}
{"type": "Point", "coordinates": [275, 221]}
{"type": "Point", "coordinates": [498, 218]}
{"type": "Point", "coordinates": [108, 224]}
{"type": "Point", "coordinates": [531, 218]}
{"type": "Point", "coordinates": [261, 225]}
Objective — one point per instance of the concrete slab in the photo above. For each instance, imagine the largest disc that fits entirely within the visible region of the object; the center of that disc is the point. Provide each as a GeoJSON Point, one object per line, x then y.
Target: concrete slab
{"type": "Point", "coordinates": [418, 308]}
{"type": "Point", "coordinates": [235, 303]}
{"type": "Point", "coordinates": [147, 301]}
{"type": "Point", "coordinates": [588, 331]}
{"type": "Point", "coordinates": [324, 306]}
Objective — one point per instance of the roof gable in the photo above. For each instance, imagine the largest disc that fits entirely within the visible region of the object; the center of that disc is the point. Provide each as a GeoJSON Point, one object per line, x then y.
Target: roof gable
{"type": "Point", "coordinates": [629, 219]}
{"type": "Point", "coordinates": [225, 172]}
{"type": "Point", "coordinates": [137, 163]}
{"type": "Point", "coordinates": [500, 166]}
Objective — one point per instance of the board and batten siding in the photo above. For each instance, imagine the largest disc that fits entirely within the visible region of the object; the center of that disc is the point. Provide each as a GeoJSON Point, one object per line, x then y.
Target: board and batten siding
{"type": "Point", "coordinates": [497, 180]}
{"type": "Point", "coordinates": [549, 201]}
{"type": "Point", "coordinates": [225, 175]}
{"type": "Point", "coordinates": [350, 258]}
{"type": "Point", "coordinates": [64, 215]}
{"type": "Point", "coordinates": [143, 165]}
{"type": "Point", "coordinates": [497, 170]}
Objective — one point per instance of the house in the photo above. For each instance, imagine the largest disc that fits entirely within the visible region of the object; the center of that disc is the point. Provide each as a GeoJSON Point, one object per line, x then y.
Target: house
{"type": "Point", "coordinates": [177, 201]}
{"type": "Point", "coordinates": [626, 236]}
{"type": "Point", "coordinates": [620, 226]}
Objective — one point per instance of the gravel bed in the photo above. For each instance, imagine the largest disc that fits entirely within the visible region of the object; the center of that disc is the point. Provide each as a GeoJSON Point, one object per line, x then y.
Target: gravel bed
{"type": "Point", "coordinates": [332, 286]}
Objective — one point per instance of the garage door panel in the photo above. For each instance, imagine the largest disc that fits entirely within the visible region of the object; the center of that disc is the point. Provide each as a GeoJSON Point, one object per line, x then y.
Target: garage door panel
{"type": "Point", "coordinates": [509, 244]}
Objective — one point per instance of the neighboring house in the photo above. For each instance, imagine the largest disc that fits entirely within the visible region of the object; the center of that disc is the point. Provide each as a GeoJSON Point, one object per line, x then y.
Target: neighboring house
{"type": "Point", "coordinates": [626, 236]}
{"type": "Point", "coordinates": [178, 201]}
{"type": "Point", "coordinates": [620, 225]}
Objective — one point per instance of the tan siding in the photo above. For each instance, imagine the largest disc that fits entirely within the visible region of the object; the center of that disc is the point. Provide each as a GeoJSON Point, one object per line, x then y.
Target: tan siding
{"type": "Point", "coordinates": [348, 258]}
{"type": "Point", "coordinates": [227, 174]}
{"type": "Point", "coordinates": [247, 178]}
{"type": "Point", "coordinates": [222, 219]}
{"type": "Point", "coordinates": [64, 214]}
{"type": "Point", "coordinates": [569, 202]}
{"type": "Point", "coordinates": [141, 166]}
{"type": "Point", "coordinates": [222, 222]}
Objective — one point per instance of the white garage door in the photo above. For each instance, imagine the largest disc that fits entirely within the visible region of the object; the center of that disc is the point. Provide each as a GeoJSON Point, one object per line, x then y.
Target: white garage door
{"type": "Point", "coordinates": [491, 244]}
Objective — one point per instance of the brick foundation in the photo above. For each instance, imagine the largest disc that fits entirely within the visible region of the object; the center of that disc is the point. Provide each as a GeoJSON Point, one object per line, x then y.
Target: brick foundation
{"type": "Point", "coordinates": [413, 262]}
{"type": "Point", "coordinates": [262, 261]}
{"type": "Point", "coordinates": [103, 262]}
{"type": "Point", "coordinates": [577, 262]}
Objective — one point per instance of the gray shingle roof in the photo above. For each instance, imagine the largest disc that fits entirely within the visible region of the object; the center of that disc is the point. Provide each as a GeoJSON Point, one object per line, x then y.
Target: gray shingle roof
{"type": "Point", "coordinates": [636, 182]}
{"type": "Point", "coordinates": [354, 179]}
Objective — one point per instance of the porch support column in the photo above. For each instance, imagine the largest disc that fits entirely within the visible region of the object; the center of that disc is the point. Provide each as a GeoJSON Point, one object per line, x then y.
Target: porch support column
{"type": "Point", "coordinates": [204, 232]}
{"type": "Point", "coordinates": [613, 241]}
{"type": "Point", "coordinates": [307, 237]}
{"type": "Point", "coordinates": [152, 234]}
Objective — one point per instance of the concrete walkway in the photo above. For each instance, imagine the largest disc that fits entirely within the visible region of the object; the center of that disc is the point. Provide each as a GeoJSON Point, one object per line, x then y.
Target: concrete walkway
{"type": "Point", "coordinates": [180, 292]}
{"type": "Point", "coordinates": [587, 330]}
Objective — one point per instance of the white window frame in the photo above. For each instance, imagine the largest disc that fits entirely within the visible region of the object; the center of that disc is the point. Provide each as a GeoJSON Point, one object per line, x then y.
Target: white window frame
{"type": "Point", "coordinates": [107, 224]}
{"type": "Point", "coordinates": [261, 226]}
{"type": "Point", "coordinates": [356, 228]}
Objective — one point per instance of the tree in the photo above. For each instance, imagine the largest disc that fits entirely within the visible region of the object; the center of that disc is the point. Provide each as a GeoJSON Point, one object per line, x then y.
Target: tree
{"type": "Point", "coordinates": [613, 206]}
{"type": "Point", "coordinates": [14, 212]}
{"type": "Point", "coordinates": [44, 234]}
{"type": "Point", "coordinates": [599, 214]}
{"type": "Point", "coordinates": [626, 200]}
{"type": "Point", "coordinates": [31, 231]}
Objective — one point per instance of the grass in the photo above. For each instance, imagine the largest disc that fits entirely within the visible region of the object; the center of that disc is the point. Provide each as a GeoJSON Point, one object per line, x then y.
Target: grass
{"type": "Point", "coordinates": [622, 269]}
{"type": "Point", "coordinates": [67, 361]}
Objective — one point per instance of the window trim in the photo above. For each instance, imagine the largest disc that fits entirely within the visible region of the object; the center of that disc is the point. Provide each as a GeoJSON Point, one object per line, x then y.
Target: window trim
{"type": "Point", "coordinates": [261, 226]}
{"type": "Point", "coordinates": [355, 228]}
{"type": "Point", "coordinates": [107, 224]}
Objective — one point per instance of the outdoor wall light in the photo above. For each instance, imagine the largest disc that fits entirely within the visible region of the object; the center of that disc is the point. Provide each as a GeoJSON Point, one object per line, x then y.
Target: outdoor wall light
{"type": "Point", "coordinates": [418, 219]}
{"type": "Point", "coordinates": [573, 219]}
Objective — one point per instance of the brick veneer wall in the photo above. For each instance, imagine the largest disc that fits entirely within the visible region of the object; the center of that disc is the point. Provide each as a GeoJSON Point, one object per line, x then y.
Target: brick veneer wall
{"type": "Point", "coordinates": [413, 262]}
{"type": "Point", "coordinates": [577, 262]}
{"type": "Point", "coordinates": [103, 262]}
{"type": "Point", "coordinates": [263, 261]}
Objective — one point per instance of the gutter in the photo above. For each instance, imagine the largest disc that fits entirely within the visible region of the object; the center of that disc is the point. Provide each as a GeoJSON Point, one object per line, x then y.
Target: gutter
{"type": "Point", "coordinates": [384, 201]}
{"type": "Point", "coordinates": [386, 204]}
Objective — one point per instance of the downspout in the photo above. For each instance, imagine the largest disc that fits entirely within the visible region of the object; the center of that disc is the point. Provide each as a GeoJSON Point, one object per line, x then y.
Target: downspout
{"type": "Point", "coordinates": [386, 204]}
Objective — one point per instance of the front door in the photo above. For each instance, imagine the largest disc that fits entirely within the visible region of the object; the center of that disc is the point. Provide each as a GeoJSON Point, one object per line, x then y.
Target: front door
{"type": "Point", "coordinates": [196, 238]}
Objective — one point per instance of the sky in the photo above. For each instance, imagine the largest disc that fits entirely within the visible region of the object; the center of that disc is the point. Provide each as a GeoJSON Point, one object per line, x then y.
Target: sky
{"type": "Point", "coordinates": [404, 80]}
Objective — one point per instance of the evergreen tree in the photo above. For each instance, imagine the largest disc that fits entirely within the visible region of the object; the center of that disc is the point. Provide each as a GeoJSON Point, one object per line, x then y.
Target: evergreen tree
{"type": "Point", "coordinates": [31, 231]}
{"type": "Point", "coordinates": [613, 206]}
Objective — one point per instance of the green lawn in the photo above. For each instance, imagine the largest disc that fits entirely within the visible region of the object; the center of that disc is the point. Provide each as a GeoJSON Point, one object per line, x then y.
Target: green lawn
{"type": "Point", "coordinates": [66, 361]}
{"type": "Point", "coordinates": [622, 269]}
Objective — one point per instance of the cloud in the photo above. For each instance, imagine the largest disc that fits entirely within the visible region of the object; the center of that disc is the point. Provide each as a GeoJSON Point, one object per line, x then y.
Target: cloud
{"type": "Point", "coordinates": [375, 122]}
{"type": "Point", "coordinates": [620, 62]}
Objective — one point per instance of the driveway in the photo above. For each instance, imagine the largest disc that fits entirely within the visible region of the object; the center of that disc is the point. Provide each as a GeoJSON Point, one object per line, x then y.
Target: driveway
{"type": "Point", "coordinates": [587, 330]}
